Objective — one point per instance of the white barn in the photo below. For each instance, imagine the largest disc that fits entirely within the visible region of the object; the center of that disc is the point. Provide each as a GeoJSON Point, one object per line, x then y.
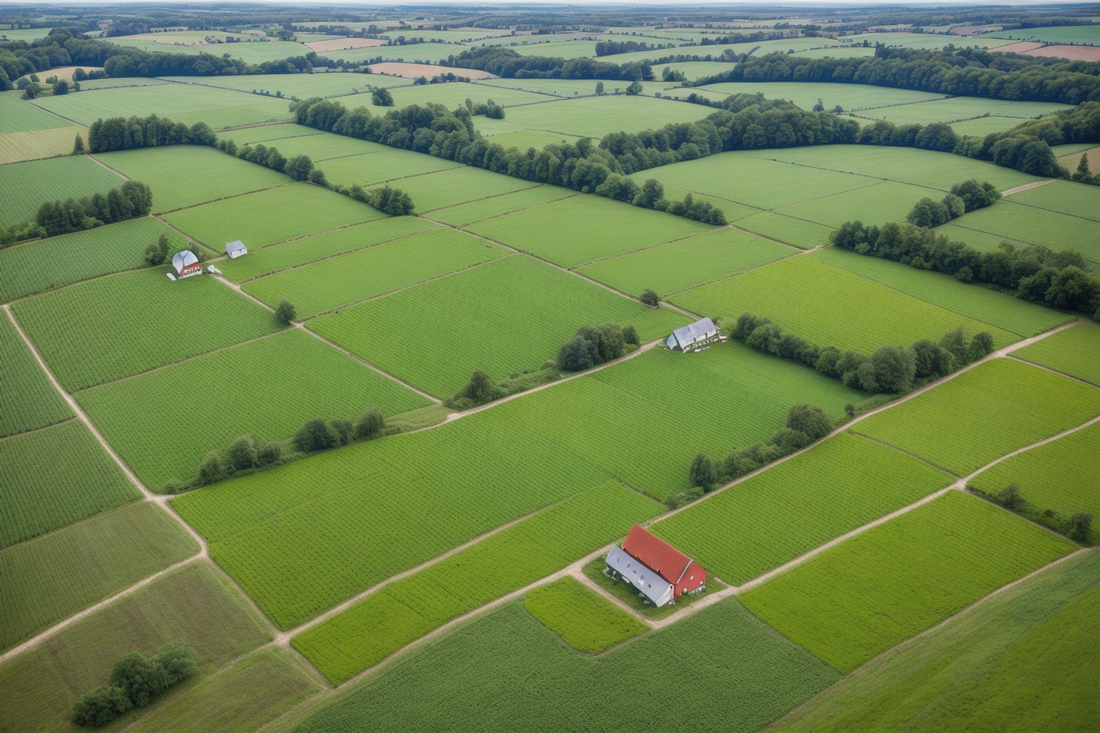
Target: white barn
{"type": "Point", "coordinates": [236, 249]}
{"type": "Point", "coordinates": [693, 336]}
{"type": "Point", "coordinates": [648, 581]}
{"type": "Point", "coordinates": [185, 264]}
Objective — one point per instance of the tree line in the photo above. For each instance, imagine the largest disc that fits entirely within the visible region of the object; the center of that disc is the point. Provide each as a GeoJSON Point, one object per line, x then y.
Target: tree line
{"type": "Point", "coordinates": [131, 200]}
{"type": "Point", "coordinates": [595, 345]}
{"type": "Point", "coordinates": [119, 133]}
{"type": "Point", "coordinates": [505, 62]}
{"type": "Point", "coordinates": [1078, 526]}
{"type": "Point", "coordinates": [136, 681]}
{"type": "Point", "coordinates": [964, 197]}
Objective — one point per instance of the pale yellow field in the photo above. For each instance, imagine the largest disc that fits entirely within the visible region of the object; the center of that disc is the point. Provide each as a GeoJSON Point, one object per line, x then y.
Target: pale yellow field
{"type": "Point", "coordinates": [19, 146]}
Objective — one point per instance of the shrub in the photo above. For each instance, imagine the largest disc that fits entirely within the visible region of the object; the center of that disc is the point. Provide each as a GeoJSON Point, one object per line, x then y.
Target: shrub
{"type": "Point", "coordinates": [268, 453]}
{"type": "Point", "coordinates": [343, 431]}
{"type": "Point", "coordinates": [1010, 498]}
{"type": "Point", "coordinates": [369, 424]}
{"type": "Point", "coordinates": [285, 312]}
{"type": "Point", "coordinates": [591, 346]}
{"type": "Point", "coordinates": [100, 706]}
{"type": "Point", "coordinates": [1082, 525]}
{"type": "Point", "coordinates": [702, 473]}
{"type": "Point", "coordinates": [139, 678]}
{"type": "Point", "coordinates": [210, 470]}
{"type": "Point", "coordinates": [650, 298]}
{"type": "Point", "coordinates": [242, 454]}
{"type": "Point", "coordinates": [177, 660]}
{"type": "Point", "coordinates": [630, 335]}
{"type": "Point", "coordinates": [685, 497]}
{"type": "Point", "coordinates": [314, 436]}
{"type": "Point", "coordinates": [810, 420]}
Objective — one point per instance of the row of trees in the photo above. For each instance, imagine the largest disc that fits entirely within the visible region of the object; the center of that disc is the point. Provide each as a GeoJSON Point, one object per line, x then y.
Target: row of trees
{"type": "Point", "coordinates": [131, 200]}
{"type": "Point", "coordinates": [299, 168]}
{"type": "Point", "coordinates": [1078, 526]}
{"type": "Point", "coordinates": [592, 346]}
{"type": "Point", "coordinates": [509, 64]}
{"type": "Point", "coordinates": [119, 133]}
{"type": "Point", "coordinates": [963, 198]}
{"type": "Point", "coordinates": [136, 681]}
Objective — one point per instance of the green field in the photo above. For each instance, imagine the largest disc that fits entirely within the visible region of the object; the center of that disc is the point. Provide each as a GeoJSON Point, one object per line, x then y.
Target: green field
{"type": "Point", "coordinates": [1075, 351]}
{"type": "Point", "coordinates": [687, 263]}
{"type": "Point", "coordinates": [1065, 197]}
{"type": "Point", "coordinates": [30, 268]}
{"type": "Point", "coordinates": [839, 485]}
{"type": "Point", "coordinates": [19, 116]}
{"type": "Point", "coordinates": [106, 329]}
{"type": "Point", "coordinates": [805, 94]}
{"type": "Point", "coordinates": [452, 95]}
{"type": "Point", "coordinates": [585, 621]}
{"type": "Point", "coordinates": [830, 306]}
{"type": "Point", "coordinates": [586, 228]}
{"type": "Point", "coordinates": [524, 139]}
{"type": "Point", "coordinates": [998, 309]}
{"type": "Point", "coordinates": [598, 116]}
{"type": "Point", "coordinates": [270, 216]}
{"type": "Point", "coordinates": [468, 213]}
{"type": "Point", "coordinates": [457, 186]}
{"type": "Point", "coordinates": [963, 108]}
{"type": "Point", "coordinates": [16, 147]}
{"type": "Point", "coordinates": [470, 311]}
{"type": "Point", "coordinates": [966, 423]}
{"type": "Point", "coordinates": [27, 186]}
{"type": "Point", "coordinates": [195, 603]}
{"type": "Point", "coordinates": [1023, 660]}
{"type": "Point", "coordinates": [389, 164]}
{"type": "Point", "coordinates": [1075, 34]}
{"type": "Point", "coordinates": [1030, 225]}
{"type": "Point", "coordinates": [266, 388]}
{"type": "Point", "coordinates": [49, 578]}
{"type": "Point", "coordinates": [725, 667]}
{"type": "Point", "coordinates": [371, 272]}
{"type": "Point", "coordinates": [302, 86]}
{"type": "Point", "coordinates": [186, 175]}
{"type": "Point", "coordinates": [796, 232]}
{"type": "Point", "coordinates": [878, 203]}
{"type": "Point", "coordinates": [55, 476]}
{"type": "Point", "coordinates": [30, 401]}
{"type": "Point", "coordinates": [1063, 475]}
{"type": "Point", "coordinates": [321, 147]}
{"type": "Point", "coordinates": [407, 609]}
{"type": "Point", "coordinates": [897, 579]}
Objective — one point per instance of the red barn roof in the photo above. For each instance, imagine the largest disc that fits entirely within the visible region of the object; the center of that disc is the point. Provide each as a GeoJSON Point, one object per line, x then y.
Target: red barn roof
{"type": "Point", "coordinates": [657, 554]}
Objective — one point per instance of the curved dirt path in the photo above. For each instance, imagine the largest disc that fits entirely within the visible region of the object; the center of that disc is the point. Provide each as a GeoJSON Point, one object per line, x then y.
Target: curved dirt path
{"type": "Point", "coordinates": [1026, 186]}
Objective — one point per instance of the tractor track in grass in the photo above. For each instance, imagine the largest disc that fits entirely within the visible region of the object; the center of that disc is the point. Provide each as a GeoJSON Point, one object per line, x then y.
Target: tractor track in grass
{"type": "Point", "coordinates": [1027, 186]}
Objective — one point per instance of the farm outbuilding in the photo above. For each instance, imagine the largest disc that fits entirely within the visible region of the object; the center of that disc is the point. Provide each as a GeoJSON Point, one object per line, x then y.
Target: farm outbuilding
{"type": "Point", "coordinates": [185, 264]}
{"type": "Point", "coordinates": [657, 569]}
{"type": "Point", "coordinates": [693, 336]}
{"type": "Point", "coordinates": [236, 249]}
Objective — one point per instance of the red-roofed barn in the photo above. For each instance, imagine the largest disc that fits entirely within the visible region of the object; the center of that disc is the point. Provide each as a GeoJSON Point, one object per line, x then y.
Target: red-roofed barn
{"type": "Point", "coordinates": [657, 569]}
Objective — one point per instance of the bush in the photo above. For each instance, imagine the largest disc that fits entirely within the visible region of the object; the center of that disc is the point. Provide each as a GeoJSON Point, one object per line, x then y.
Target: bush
{"type": "Point", "coordinates": [343, 431]}
{"type": "Point", "coordinates": [630, 335]}
{"type": "Point", "coordinates": [650, 298]}
{"type": "Point", "coordinates": [1082, 526]}
{"type": "Point", "coordinates": [369, 424]}
{"type": "Point", "coordinates": [591, 346]}
{"type": "Point", "coordinates": [210, 470]}
{"type": "Point", "coordinates": [268, 453]}
{"type": "Point", "coordinates": [100, 706]}
{"type": "Point", "coordinates": [285, 313]}
{"type": "Point", "coordinates": [381, 98]}
{"type": "Point", "coordinates": [810, 420]}
{"type": "Point", "coordinates": [684, 497]}
{"type": "Point", "coordinates": [315, 436]}
{"type": "Point", "coordinates": [478, 391]}
{"type": "Point", "coordinates": [139, 678]}
{"type": "Point", "coordinates": [788, 441]}
{"type": "Point", "coordinates": [1010, 498]}
{"type": "Point", "coordinates": [702, 473]}
{"type": "Point", "coordinates": [299, 167]}
{"type": "Point", "coordinates": [242, 454]}
{"type": "Point", "coordinates": [177, 660]}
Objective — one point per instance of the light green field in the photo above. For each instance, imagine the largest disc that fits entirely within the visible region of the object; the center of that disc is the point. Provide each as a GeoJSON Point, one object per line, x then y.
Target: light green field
{"type": "Point", "coordinates": [189, 104]}
{"type": "Point", "coordinates": [457, 186]}
{"type": "Point", "coordinates": [835, 52]}
{"type": "Point", "coordinates": [292, 139]}
{"type": "Point", "coordinates": [585, 621]}
{"type": "Point", "coordinates": [687, 263]}
{"type": "Point", "coordinates": [839, 485]}
{"type": "Point", "coordinates": [850, 97]}
{"type": "Point", "coordinates": [465, 214]}
{"type": "Point", "coordinates": [1065, 197]}
{"type": "Point", "coordinates": [1075, 34]}
{"type": "Point", "coordinates": [1028, 224]}
{"type": "Point", "coordinates": [467, 309]}
{"type": "Point", "coordinates": [186, 175]}
{"type": "Point", "coordinates": [106, 329]}
{"type": "Point", "coordinates": [251, 52]}
{"type": "Point", "coordinates": [999, 309]}
{"type": "Point", "coordinates": [30, 268]}
{"type": "Point", "coordinates": [1075, 351]}
{"type": "Point", "coordinates": [730, 670]}
{"type": "Point", "coordinates": [962, 108]}
{"type": "Point", "coordinates": [795, 232]}
{"type": "Point", "coordinates": [19, 116]}
{"type": "Point", "coordinates": [195, 603]}
{"type": "Point", "coordinates": [877, 589]}
{"type": "Point", "coordinates": [121, 81]}
{"type": "Point", "coordinates": [16, 147]}
{"type": "Point", "coordinates": [302, 86]}
{"type": "Point", "coordinates": [598, 116]}
{"type": "Point", "coordinates": [586, 228]}
{"type": "Point", "coordinates": [830, 306]}
{"type": "Point", "coordinates": [270, 216]}
{"type": "Point", "coordinates": [30, 401]}
{"type": "Point", "coordinates": [426, 53]}
{"type": "Point", "coordinates": [878, 203]}
{"type": "Point", "coordinates": [55, 476]}
{"type": "Point", "coordinates": [453, 94]}
{"type": "Point", "coordinates": [525, 139]}
{"type": "Point", "coordinates": [409, 608]}
{"type": "Point", "coordinates": [1063, 475]}
{"type": "Point", "coordinates": [1033, 642]}
{"type": "Point", "coordinates": [390, 164]}
{"type": "Point", "coordinates": [694, 69]}
{"type": "Point", "coordinates": [368, 273]}
{"type": "Point", "coordinates": [266, 388]}
{"type": "Point", "coordinates": [565, 89]}
{"type": "Point", "coordinates": [28, 185]}
{"type": "Point", "coordinates": [277, 257]}
{"type": "Point", "coordinates": [932, 425]}
{"type": "Point", "coordinates": [49, 578]}
{"type": "Point", "coordinates": [982, 126]}
{"type": "Point", "coordinates": [562, 49]}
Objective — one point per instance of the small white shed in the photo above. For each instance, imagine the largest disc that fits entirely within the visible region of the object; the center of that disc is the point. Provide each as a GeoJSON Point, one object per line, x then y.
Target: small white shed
{"type": "Point", "coordinates": [236, 249]}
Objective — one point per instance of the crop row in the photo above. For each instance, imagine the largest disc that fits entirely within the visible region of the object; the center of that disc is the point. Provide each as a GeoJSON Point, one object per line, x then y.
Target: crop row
{"type": "Point", "coordinates": [27, 186]}
{"type": "Point", "coordinates": [1074, 351]}
{"type": "Point", "coordinates": [585, 621]}
{"type": "Point", "coordinates": [30, 401]}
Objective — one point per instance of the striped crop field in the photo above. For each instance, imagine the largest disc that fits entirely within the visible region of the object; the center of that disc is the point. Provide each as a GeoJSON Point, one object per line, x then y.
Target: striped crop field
{"type": "Point", "coordinates": [55, 476]}
{"type": "Point", "coordinates": [831, 306]}
{"type": "Point", "coordinates": [469, 311]}
{"type": "Point", "coordinates": [586, 228]}
{"type": "Point", "coordinates": [983, 414]}
{"type": "Point", "coordinates": [1075, 351]}
{"type": "Point", "coordinates": [391, 165]}
{"type": "Point", "coordinates": [584, 620]}
{"type": "Point", "coordinates": [598, 116]}
{"type": "Point", "coordinates": [468, 213]}
{"type": "Point", "coordinates": [795, 232]}
{"type": "Point", "coordinates": [49, 578]}
{"type": "Point", "coordinates": [838, 485]}
{"type": "Point", "coordinates": [266, 388]}
{"type": "Point", "coordinates": [106, 329]}
{"type": "Point", "coordinates": [30, 268]}
{"type": "Point", "coordinates": [899, 578]}
{"type": "Point", "coordinates": [1065, 197]}
{"type": "Point", "coordinates": [16, 147]}
{"type": "Point", "coordinates": [17, 115]}
{"type": "Point", "coordinates": [30, 401]}
{"type": "Point", "coordinates": [323, 286]}
{"type": "Point", "coordinates": [186, 175]}
{"type": "Point", "coordinates": [274, 215]}
{"type": "Point", "coordinates": [880, 202]}
{"type": "Point", "coordinates": [27, 186]}
{"type": "Point", "coordinates": [1022, 225]}
{"type": "Point", "coordinates": [407, 609]}
{"type": "Point", "coordinates": [456, 186]}
{"type": "Point", "coordinates": [805, 94]}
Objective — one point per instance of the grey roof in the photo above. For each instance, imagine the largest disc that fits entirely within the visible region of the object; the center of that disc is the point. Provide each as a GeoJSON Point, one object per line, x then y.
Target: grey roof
{"type": "Point", "coordinates": [647, 580]}
{"type": "Point", "coordinates": [183, 258]}
{"type": "Point", "coordinates": [235, 249]}
{"type": "Point", "coordinates": [698, 331]}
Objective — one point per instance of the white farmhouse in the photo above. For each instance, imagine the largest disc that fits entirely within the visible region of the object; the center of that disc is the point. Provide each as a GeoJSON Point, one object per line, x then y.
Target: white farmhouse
{"type": "Point", "coordinates": [693, 336]}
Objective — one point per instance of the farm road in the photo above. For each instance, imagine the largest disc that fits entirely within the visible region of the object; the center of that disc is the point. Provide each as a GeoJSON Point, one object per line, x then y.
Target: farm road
{"type": "Point", "coordinates": [1026, 186]}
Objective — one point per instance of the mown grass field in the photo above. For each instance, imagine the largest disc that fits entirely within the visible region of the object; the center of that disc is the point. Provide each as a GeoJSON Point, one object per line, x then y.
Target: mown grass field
{"type": "Point", "coordinates": [30, 401]}
{"type": "Point", "coordinates": [585, 621]}
{"type": "Point", "coordinates": [457, 186]}
{"type": "Point", "coordinates": [186, 175]}
{"type": "Point", "coordinates": [734, 673]}
{"type": "Point", "coordinates": [452, 95]}
{"type": "Point", "coordinates": [113, 327]}
{"type": "Point", "coordinates": [30, 268]}
{"type": "Point", "coordinates": [837, 486]}
{"type": "Point", "coordinates": [266, 388]}
{"type": "Point", "coordinates": [1033, 642]}
{"type": "Point", "coordinates": [55, 476]}
{"type": "Point", "coordinates": [831, 306]}
{"type": "Point", "coordinates": [35, 144]}
{"type": "Point", "coordinates": [598, 116]}
{"type": "Point", "coordinates": [270, 216]}
{"type": "Point", "coordinates": [999, 309]}
{"type": "Point", "coordinates": [406, 610]}
{"type": "Point", "coordinates": [292, 139]}
{"type": "Point", "coordinates": [194, 603]}
{"type": "Point", "coordinates": [1063, 475]}
{"type": "Point", "coordinates": [464, 214]}
{"type": "Point", "coordinates": [296, 85]}
{"type": "Point", "coordinates": [1054, 34]}
{"type": "Point", "coordinates": [49, 578]}
{"type": "Point", "coordinates": [338, 281]}
{"type": "Point", "coordinates": [586, 228]}
{"type": "Point", "coordinates": [687, 263]}
{"type": "Point", "coordinates": [971, 420]}
{"type": "Point", "coordinates": [28, 185]}
{"type": "Point", "coordinates": [19, 116]}
{"type": "Point", "coordinates": [1028, 224]}
{"type": "Point", "coordinates": [881, 202]}
{"type": "Point", "coordinates": [867, 594]}
{"type": "Point", "coordinates": [1065, 197]}
{"type": "Point", "coordinates": [963, 108]}
{"type": "Point", "coordinates": [796, 232]}
{"type": "Point", "coordinates": [805, 94]}
{"type": "Point", "coordinates": [507, 137]}
{"type": "Point", "coordinates": [469, 312]}
{"type": "Point", "coordinates": [373, 169]}
{"type": "Point", "coordinates": [1075, 351]}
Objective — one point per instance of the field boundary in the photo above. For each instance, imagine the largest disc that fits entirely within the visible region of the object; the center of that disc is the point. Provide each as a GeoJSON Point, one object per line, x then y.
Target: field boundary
{"type": "Point", "coordinates": [1054, 371]}
{"type": "Point", "coordinates": [97, 161]}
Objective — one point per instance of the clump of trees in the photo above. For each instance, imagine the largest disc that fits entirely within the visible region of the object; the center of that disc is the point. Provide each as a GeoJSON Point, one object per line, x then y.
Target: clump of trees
{"type": "Point", "coordinates": [119, 133]}
{"type": "Point", "coordinates": [478, 391]}
{"type": "Point", "coordinates": [508, 63]}
{"type": "Point", "coordinates": [964, 198]}
{"type": "Point", "coordinates": [285, 313]}
{"type": "Point", "coordinates": [1077, 527]}
{"type": "Point", "coordinates": [381, 98]}
{"type": "Point", "coordinates": [649, 297]}
{"type": "Point", "coordinates": [157, 253]}
{"type": "Point", "coordinates": [136, 681]}
{"type": "Point", "coordinates": [131, 200]}
{"type": "Point", "coordinates": [490, 109]}
{"type": "Point", "coordinates": [593, 345]}
{"type": "Point", "coordinates": [1083, 174]}
{"type": "Point", "coordinates": [388, 200]}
